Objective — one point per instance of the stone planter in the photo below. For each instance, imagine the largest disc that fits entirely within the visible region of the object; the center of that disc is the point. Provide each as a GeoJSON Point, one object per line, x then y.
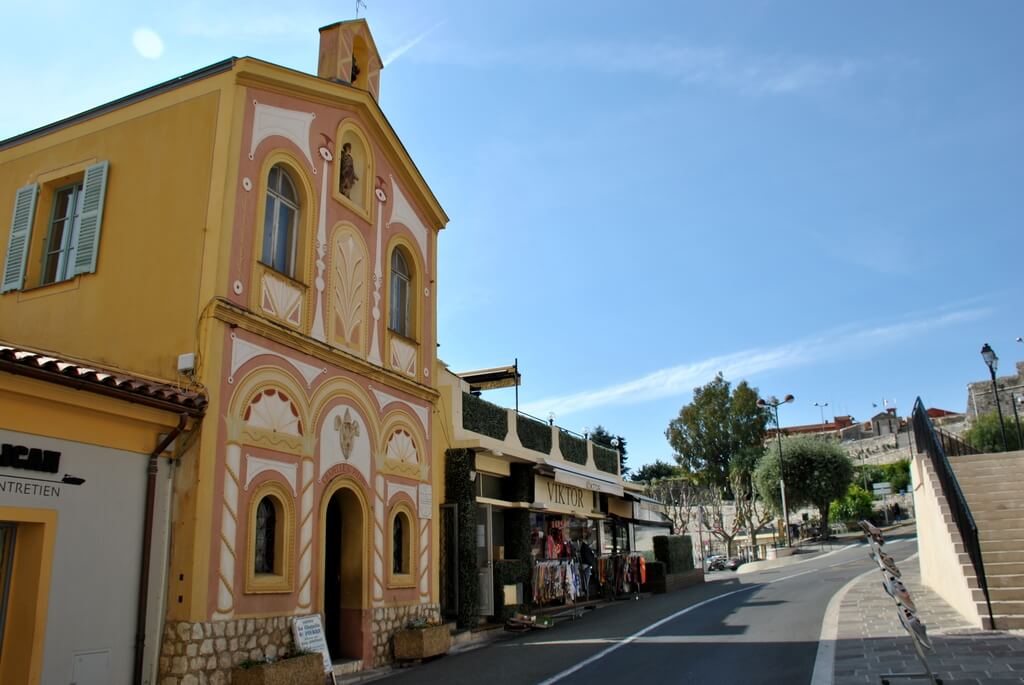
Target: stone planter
{"type": "Point", "coordinates": [301, 670]}
{"type": "Point", "coordinates": [422, 643]}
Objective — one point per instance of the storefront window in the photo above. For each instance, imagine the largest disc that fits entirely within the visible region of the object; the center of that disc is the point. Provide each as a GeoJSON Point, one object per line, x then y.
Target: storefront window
{"type": "Point", "coordinates": [643, 537]}
{"type": "Point", "coordinates": [614, 537]}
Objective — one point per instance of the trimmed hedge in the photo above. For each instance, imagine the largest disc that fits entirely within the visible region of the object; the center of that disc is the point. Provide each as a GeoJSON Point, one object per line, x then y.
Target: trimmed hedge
{"type": "Point", "coordinates": [605, 459]}
{"type": "Point", "coordinates": [480, 416]}
{"type": "Point", "coordinates": [534, 435]}
{"type": "Point", "coordinates": [509, 572]}
{"type": "Point", "coordinates": [573, 449]}
{"type": "Point", "coordinates": [459, 489]}
{"type": "Point", "coordinates": [675, 551]}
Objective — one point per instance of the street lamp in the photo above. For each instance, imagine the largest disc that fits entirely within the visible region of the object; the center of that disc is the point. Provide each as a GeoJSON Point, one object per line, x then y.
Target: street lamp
{"type": "Point", "coordinates": [773, 403]}
{"type": "Point", "coordinates": [992, 362]}
{"type": "Point", "coordinates": [1016, 417]}
{"type": "Point", "coordinates": [821, 407]}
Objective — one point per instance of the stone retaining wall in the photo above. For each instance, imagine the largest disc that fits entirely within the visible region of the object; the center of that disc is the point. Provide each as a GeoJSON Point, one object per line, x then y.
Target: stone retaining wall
{"type": "Point", "coordinates": [201, 653]}
{"type": "Point", "coordinates": [389, 620]}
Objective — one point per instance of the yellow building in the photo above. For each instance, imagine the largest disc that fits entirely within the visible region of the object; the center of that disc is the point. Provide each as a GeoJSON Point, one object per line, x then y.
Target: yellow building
{"type": "Point", "coordinates": [260, 237]}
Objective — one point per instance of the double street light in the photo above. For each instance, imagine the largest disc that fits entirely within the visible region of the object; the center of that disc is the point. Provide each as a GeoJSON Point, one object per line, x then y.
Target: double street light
{"type": "Point", "coordinates": [992, 362]}
{"type": "Point", "coordinates": [773, 403]}
{"type": "Point", "coordinates": [821, 407]}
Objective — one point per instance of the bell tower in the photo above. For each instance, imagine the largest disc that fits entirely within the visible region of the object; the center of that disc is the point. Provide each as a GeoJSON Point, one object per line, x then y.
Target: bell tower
{"type": "Point", "coordinates": [349, 55]}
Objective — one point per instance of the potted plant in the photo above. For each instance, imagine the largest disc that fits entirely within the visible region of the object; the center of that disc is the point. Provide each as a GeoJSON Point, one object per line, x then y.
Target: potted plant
{"type": "Point", "coordinates": [422, 639]}
{"type": "Point", "coordinates": [295, 668]}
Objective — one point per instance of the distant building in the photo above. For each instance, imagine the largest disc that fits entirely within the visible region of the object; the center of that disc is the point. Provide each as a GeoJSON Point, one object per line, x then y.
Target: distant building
{"type": "Point", "coordinates": [981, 399]}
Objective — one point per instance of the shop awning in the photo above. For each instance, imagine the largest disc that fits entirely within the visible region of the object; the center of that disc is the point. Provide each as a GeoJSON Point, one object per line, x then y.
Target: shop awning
{"type": "Point", "coordinates": [581, 478]}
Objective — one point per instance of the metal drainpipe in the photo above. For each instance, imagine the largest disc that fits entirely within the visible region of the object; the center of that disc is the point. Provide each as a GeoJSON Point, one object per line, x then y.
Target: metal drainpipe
{"type": "Point", "coordinates": [147, 542]}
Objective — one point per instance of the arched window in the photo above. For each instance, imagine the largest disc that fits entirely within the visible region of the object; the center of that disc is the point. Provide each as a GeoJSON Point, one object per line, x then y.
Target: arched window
{"type": "Point", "coordinates": [399, 562]}
{"type": "Point", "coordinates": [280, 222]}
{"type": "Point", "coordinates": [266, 536]}
{"type": "Point", "coordinates": [269, 561]}
{"type": "Point", "coordinates": [401, 306]}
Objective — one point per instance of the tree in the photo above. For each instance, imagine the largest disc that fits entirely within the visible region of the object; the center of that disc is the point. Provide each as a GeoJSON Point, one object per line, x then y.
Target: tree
{"type": "Point", "coordinates": [898, 474]}
{"type": "Point", "coordinates": [856, 505]}
{"type": "Point", "coordinates": [816, 471]}
{"type": "Point", "coordinates": [602, 437]}
{"type": "Point", "coordinates": [751, 508]}
{"type": "Point", "coordinates": [986, 437]}
{"type": "Point", "coordinates": [716, 426]}
{"type": "Point", "coordinates": [682, 497]}
{"type": "Point", "coordinates": [656, 471]}
{"type": "Point", "coordinates": [715, 516]}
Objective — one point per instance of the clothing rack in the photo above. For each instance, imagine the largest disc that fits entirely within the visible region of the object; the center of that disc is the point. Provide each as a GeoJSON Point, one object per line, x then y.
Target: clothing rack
{"type": "Point", "coordinates": [620, 575]}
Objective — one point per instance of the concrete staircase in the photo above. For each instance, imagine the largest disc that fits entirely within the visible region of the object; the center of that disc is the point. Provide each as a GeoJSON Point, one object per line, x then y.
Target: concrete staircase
{"type": "Point", "coordinates": [992, 484]}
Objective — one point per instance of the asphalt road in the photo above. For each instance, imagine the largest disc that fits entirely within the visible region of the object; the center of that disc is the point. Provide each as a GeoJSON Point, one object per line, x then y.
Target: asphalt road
{"type": "Point", "coordinates": [736, 628]}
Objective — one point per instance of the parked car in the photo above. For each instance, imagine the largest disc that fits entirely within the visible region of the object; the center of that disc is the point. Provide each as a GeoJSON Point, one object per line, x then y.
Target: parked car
{"type": "Point", "coordinates": [715, 562]}
{"type": "Point", "coordinates": [733, 563]}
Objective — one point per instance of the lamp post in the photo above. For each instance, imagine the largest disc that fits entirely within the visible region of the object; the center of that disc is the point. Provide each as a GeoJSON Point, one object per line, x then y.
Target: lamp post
{"type": "Point", "coordinates": [1016, 417]}
{"type": "Point", "coordinates": [773, 403]}
{"type": "Point", "coordinates": [821, 407]}
{"type": "Point", "coordinates": [992, 362]}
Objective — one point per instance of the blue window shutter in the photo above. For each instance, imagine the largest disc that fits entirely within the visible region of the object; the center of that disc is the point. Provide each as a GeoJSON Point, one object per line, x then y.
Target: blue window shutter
{"type": "Point", "coordinates": [21, 232]}
{"type": "Point", "coordinates": [94, 187]}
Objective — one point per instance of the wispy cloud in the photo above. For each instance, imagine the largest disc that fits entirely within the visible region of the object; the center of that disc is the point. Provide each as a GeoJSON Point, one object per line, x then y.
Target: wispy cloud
{"type": "Point", "coordinates": [717, 66]}
{"type": "Point", "coordinates": [681, 379]}
{"type": "Point", "coordinates": [406, 47]}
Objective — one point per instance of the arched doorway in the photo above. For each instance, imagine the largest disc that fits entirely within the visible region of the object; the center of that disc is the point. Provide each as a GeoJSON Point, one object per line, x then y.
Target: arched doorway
{"type": "Point", "coordinates": [344, 555]}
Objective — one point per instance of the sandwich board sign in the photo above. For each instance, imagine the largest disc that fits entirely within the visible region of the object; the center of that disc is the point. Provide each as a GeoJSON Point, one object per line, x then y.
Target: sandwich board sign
{"type": "Point", "coordinates": [308, 632]}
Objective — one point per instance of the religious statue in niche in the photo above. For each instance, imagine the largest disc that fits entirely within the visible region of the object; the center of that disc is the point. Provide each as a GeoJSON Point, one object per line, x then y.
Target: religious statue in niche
{"type": "Point", "coordinates": [348, 170]}
{"type": "Point", "coordinates": [348, 431]}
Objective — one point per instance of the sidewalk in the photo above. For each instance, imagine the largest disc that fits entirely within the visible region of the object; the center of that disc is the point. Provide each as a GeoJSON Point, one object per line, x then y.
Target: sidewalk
{"type": "Point", "coordinates": [871, 640]}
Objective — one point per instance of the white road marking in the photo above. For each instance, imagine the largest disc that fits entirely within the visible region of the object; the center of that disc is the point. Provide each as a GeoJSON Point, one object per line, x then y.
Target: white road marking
{"type": "Point", "coordinates": [824, 662]}
{"type": "Point", "coordinates": [657, 624]}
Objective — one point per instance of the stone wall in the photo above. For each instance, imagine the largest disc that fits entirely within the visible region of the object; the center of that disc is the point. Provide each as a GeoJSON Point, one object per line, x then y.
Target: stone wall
{"type": "Point", "coordinates": [389, 620]}
{"type": "Point", "coordinates": [981, 400]}
{"type": "Point", "coordinates": [201, 653]}
{"type": "Point", "coordinates": [885, 449]}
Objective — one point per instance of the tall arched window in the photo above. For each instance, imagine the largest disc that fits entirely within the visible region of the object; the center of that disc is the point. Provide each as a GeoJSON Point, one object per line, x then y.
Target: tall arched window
{"type": "Point", "coordinates": [280, 222]}
{"type": "Point", "coordinates": [401, 306]}
{"type": "Point", "coordinates": [266, 536]}
{"type": "Point", "coordinates": [399, 563]}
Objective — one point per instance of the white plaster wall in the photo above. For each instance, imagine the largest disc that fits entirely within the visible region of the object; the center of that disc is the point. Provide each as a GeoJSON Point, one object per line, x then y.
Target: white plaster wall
{"type": "Point", "coordinates": [95, 576]}
{"type": "Point", "coordinates": [939, 562]}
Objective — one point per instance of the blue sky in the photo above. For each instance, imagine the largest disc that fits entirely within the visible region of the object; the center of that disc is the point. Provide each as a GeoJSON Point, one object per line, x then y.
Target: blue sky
{"type": "Point", "coordinates": [822, 198]}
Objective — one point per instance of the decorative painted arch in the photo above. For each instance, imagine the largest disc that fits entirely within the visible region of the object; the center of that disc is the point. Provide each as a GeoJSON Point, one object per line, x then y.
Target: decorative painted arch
{"type": "Point", "coordinates": [349, 294]}
{"type": "Point", "coordinates": [347, 426]}
{"type": "Point", "coordinates": [269, 408]}
{"type": "Point", "coordinates": [403, 450]}
{"type": "Point", "coordinates": [360, 198]}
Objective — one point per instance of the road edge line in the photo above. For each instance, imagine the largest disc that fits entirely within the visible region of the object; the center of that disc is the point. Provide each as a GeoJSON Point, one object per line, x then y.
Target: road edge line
{"type": "Point", "coordinates": [824, 661]}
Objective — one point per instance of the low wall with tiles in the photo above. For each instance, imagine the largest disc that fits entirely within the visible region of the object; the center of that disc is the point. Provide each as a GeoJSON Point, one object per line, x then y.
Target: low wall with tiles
{"type": "Point", "coordinates": [389, 620]}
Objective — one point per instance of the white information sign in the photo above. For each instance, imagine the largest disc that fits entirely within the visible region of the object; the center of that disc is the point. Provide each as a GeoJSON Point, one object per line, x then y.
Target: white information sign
{"type": "Point", "coordinates": [426, 503]}
{"type": "Point", "coordinates": [308, 632]}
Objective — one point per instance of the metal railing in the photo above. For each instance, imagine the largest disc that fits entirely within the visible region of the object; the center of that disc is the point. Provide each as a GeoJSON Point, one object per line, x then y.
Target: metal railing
{"type": "Point", "coordinates": [938, 444]}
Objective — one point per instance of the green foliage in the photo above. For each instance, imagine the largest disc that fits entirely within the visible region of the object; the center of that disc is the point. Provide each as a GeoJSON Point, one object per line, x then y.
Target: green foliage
{"type": "Point", "coordinates": [816, 471]}
{"type": "Point", "coordinates": [483, 417]}
{"type": "Point", "coordinates": [648, 473]}
{"type": "Point", "coordinates": [533, 434]}
{"type": "Point", "coordinates": [986, 437]}
{"type": "Point", "coordinates": [509, 572]}
{"type": "Point", "coordinates": [573, 449]}
{"type": "Point", "coordinates": [675, 551]}
{"type": "Point", "coordinates": [605, 459]}
{"type": "Point", "coordinates": [854, 506]}
{"type": "Point", "coordinates": [458, 489]}
{"type": "Point", "coordinates": [719, 423]}
{"type": "Point", "coordinates": [601, 436]}
{"type": "Point", "coordinates": [898, 473]}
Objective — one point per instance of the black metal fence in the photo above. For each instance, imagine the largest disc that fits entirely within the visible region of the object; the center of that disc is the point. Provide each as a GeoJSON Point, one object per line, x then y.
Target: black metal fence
{"type": "Point", "coordinates": [937, 444]}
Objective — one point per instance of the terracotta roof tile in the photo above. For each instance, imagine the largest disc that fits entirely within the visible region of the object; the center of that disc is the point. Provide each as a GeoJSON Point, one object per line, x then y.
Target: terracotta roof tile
{"type": "Point", "coordinates": [18, 360]}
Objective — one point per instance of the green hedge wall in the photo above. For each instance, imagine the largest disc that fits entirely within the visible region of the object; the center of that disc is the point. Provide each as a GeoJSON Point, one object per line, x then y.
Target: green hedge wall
{"type": "Point", "coordinates": [534, 435]}
{"type": "Point", "coordinates": [605, 459]}
{"type": "Point", "coordinates": [509, 572]}
{"type": "Point", "coordinates": [675, 551]}
{"type": "Point", "coordinates": [483, 417]}
{"type": "Point", "coordinates": [459, 490]}
{"type": "Point", "coordinates": [573, 448]}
